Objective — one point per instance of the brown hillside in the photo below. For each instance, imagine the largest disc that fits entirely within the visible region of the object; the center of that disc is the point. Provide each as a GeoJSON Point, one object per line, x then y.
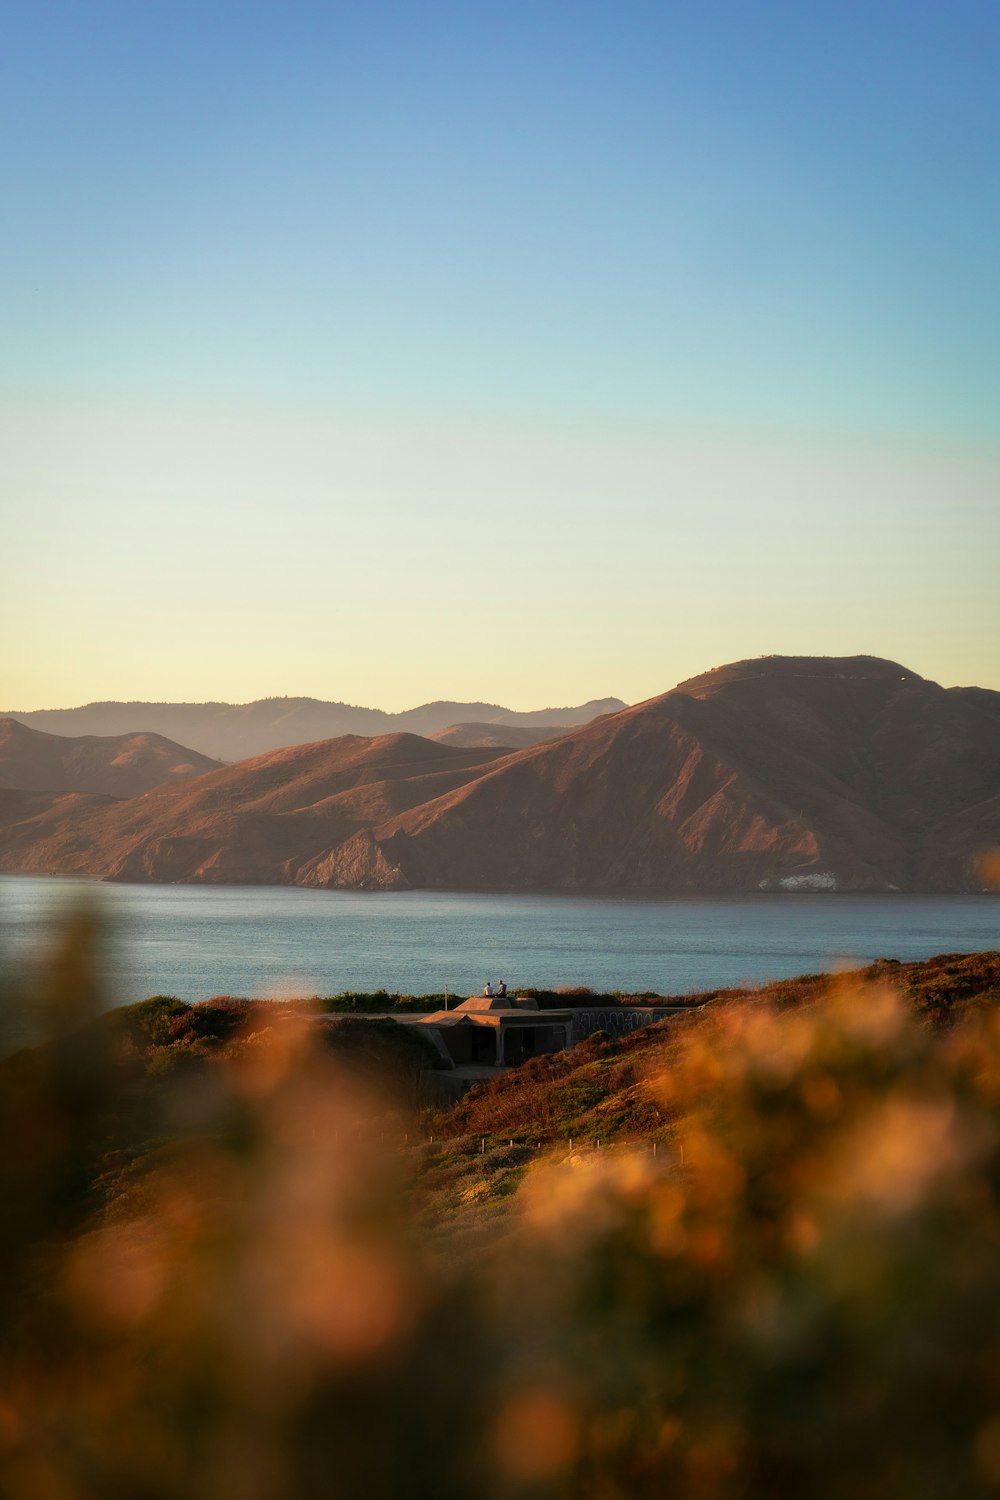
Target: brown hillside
{"type": "Point", "coordinates": [782, 773]}
{"type": "Point", "coordinates": [275, 819]}
{"type": "Point", "coordinates": [845, 772]}
{"type": "Point", "coordinates": [605, 1089]}
{"type": "Point", "coordinates": [498, 736]}
{"type": "Point", "coordinates": [112, 765]}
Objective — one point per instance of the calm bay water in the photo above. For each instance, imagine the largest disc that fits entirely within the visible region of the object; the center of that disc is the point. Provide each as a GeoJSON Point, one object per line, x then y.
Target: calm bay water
{"type": "Point", "coordinates": [196, 941]}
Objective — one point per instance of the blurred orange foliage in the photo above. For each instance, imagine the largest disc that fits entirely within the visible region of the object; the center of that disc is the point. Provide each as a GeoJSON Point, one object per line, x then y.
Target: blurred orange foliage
{"type": "Point", "coordinates": [214, 1280]}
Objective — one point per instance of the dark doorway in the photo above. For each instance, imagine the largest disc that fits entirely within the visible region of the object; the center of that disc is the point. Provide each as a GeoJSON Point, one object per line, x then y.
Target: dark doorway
{"type": "Point", "coordinates": [469, 1043]}
{"type": "Point", "coordinates": [522, 1042]}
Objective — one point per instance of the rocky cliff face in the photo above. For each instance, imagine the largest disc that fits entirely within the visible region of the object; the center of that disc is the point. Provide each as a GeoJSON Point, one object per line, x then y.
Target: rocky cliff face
{"type": "Point", "coordinates": [783, 773]}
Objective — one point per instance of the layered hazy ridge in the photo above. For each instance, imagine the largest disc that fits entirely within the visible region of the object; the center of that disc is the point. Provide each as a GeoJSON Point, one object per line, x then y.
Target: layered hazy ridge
{"type": "Point", "coordinates": [779, 773]}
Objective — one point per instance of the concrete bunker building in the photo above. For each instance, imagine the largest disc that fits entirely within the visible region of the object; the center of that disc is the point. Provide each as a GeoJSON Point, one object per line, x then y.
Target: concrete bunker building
{"type": "Point", "coordinates": [488, 1032]}
{"type": "Point", "coordinates": [497, 1031]}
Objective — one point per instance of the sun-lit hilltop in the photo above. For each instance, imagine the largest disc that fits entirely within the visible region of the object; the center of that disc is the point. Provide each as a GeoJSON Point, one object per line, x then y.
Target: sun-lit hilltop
{"type": "Point", "coordinates": [779, 773]}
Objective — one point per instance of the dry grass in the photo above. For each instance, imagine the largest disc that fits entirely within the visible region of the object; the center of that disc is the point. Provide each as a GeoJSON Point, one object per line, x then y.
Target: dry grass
{"type": "Point", "coordinates": [223, 1276]}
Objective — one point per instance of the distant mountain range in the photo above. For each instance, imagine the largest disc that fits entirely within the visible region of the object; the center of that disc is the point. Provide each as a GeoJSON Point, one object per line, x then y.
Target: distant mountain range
{"type": "Point", "coordinates": [123, 765]}
{"type": "Point", "coordinates": [234, 731]}
{"type": "Point", "coordinates": [786, 773]}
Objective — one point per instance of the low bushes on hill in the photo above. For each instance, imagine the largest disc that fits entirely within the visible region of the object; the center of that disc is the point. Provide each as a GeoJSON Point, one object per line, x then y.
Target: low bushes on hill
{"type": "Point", "coordinates": [367, 1002]}
{"type": "Point", "coordinates": [798, 1295]}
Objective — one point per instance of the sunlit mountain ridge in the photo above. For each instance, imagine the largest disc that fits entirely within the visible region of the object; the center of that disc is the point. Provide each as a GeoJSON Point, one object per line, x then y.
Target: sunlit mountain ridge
{"type": "Point", "coordinates": [783, 773]}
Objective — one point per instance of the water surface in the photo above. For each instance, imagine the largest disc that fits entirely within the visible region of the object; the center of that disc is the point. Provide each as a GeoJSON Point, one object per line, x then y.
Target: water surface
{"type": "Point", "coordinates": [197, 941]}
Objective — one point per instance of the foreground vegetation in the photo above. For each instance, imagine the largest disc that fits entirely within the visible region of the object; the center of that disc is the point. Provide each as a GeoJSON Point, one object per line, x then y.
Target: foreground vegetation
{"type": "Point", "coordinates": [240, 1255]}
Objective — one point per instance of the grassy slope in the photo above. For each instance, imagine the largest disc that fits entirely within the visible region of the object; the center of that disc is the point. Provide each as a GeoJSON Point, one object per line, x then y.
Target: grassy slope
{"type": "Point", "coordinates": [595, 1091]}
{"type": "Point", "coordinates": [809, 1308]}
{"type": "Point", "coordinates": [598, 1093]}
{"type": "Point", "coordinates": [155, 1056]}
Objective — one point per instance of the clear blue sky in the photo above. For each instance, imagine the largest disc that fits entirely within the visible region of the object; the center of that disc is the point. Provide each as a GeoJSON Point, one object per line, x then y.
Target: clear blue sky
{"type": "Point", "coordinates": [505, 350]}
